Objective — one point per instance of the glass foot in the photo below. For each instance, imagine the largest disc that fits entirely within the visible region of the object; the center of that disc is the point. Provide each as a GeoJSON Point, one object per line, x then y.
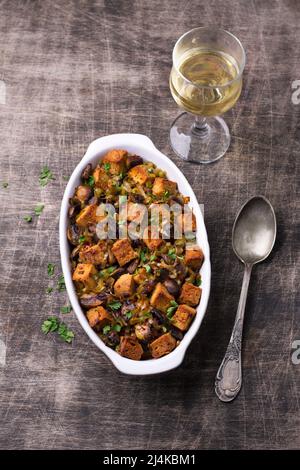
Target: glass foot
{"type": "Point", "coordinates": [199, 140]}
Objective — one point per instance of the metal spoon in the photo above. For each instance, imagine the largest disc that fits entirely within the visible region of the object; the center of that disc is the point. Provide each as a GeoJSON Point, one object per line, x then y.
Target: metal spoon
{"type": "Point", "coordinates": [253, 237]}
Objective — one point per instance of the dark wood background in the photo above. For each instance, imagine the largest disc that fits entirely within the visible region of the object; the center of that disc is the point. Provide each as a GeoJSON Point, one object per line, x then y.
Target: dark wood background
{"type": "Point", "coordinates": [77, 70]}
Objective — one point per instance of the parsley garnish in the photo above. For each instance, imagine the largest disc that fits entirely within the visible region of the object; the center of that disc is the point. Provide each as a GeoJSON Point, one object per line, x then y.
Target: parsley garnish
{"type": "Point", "coordinates": [143, 256]}
{"type": "Point", "coordinates": [166, 194]}
{"type": "Point", "coordinates": [198, 282]}
{"type": "Point", "coordinates": [106, 329]}
{"type": "Point", "coordinates": [49, 290]}
{"type": "Point", "coordinates": [39, 209]}
{"type": "Point", "coordinates": [27, 218]}
{"type": "Point", "coordinates": [45, 176]}
{"type": "Point", "coordinates": [50, 269]}
{"type": "Point", "coordinates": [65, 309]}
{"type": "Point", "coordinates": [106, 166]}
{"type": "Point", "coordinates": [4, 185]}
{"type": "Point", "coordinates": [117, 327]}
{"type": "Point", "coordinates": [171, 253]}
{"type": "Point", "coordinates": [172, 308]}
{"type": "Point", "coordinates": [50, 325]}
{"type": "Point", "coordinates": [91, 181]}
{"type": "Point", "coordinates": [82, 239]}
{"type": "Point", "coordinates": [128, 315]}
{"type": "Point", "coordinates": [148, 268]}
{"type": "Point", "coordinates": [152, 257]}
{"type": "Point", "coordinates": [114, 305]}
{"type": "Point", "coordinates": [65, 334]}
{"type": "Point", "coordinates": [61, 286]}
{"type": "Point", "coordinates": [66, 178]}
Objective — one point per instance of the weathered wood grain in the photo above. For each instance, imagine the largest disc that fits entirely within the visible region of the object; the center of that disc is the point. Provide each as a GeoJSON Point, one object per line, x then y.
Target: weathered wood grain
{"type": "Point", "coordinates": [75, 71]}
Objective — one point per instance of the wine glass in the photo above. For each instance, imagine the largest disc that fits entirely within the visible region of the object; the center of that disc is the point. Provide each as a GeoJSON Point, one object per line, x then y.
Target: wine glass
{"type": "Point", "coordinates": [206, 81]}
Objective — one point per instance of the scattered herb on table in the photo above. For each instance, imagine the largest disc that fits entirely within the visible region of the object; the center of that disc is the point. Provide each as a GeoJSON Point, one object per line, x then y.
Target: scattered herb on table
{"type": "Point", "coordinates": [66, 178]}
{"type": "Point", "coordinates": [65, 309]}
{"type": "Point", "coordinates": [27, 218]}
{"type": "Point", "coordinates": [39, 209]}
{"type": "Point", "coordinates": [50, 269]}
{"type": "Point", "coordinates": [53, 324]}
{"type": "Point", "coordinates": [45, 176]}
{"type": "Point", "coordinates": [49, 290]}
{"type": "Point", "coordinates": [5, 185]}
{"type": "Point", "coordinates": [65, 333]}
{"type": "Point", "coordinates": [61, 286]}
{"type": "Point", "coordinates": [50, 325]}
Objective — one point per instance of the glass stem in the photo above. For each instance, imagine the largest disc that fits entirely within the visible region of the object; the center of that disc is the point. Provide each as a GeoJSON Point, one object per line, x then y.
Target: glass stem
{"type": "Point", "coordinates": [200, 127]}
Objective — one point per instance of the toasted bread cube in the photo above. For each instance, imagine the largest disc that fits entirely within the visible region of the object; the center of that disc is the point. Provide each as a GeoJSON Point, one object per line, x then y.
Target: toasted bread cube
{"type": "Point", "coordinates": [130, 348]}
{"type": "Point", "coordinates": [83, 193]}
{"type": "Point", "coordinates": [194, 258]}
{"type": "Point", "coordinates": [123, 251]}
{"type": "Point", "coordinates": [161, 185]}
{"type": "Point", "coordinates": [151, 243]}
{"type": "Point", "coordinates": [183, 317]}
{"type": "Point", "coordinates": [186, 222]}
{"type": "Point", "coordinates": [162, 345]}
{"type": "Point", "coordinates": [136, 212]}
{"type": "Point", "coordinates": [139, 174]}
{"type": "Point", "coordinates": [124, 286]}
{"type": "Point", "coordinates": [190, 294]}
{"type": "Point", "coordinates": [116, 160]}
{"type": "Point", "coordinates": [161, 298]}
{"type": "Point", "coordinates": [141, 276]}
{"type": "Point", "coordinates": [98, 317]}
{"type": "Point", "coordinates": [101, 178]}
{"type": "Point", "coordinates": [88, 216]}
{"type": "Point", "coordinates": [96, 254]}
{"type": "Point", "coordinates": [84, 273]}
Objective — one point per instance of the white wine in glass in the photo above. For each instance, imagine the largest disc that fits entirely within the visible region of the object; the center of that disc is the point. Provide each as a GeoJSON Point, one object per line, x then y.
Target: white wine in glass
{"type": "Point", "coordinates": [206, 81]}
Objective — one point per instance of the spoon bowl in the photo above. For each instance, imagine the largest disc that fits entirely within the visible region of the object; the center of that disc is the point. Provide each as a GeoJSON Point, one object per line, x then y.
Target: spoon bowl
{"type": "Point", "coordinates": [254, 231]}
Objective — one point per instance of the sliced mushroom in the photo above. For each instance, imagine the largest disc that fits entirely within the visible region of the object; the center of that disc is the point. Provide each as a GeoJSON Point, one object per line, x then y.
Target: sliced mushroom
{"type": "Point", "coordinates": [93, 300]}
{"type": "Point", "coordinates": [133, 160]}
{"type": "Point", "coordinates": [73, 234]}
{"type": "Point", "coordinates": [83, 193]}
{"type": "Point", "coordinates": [73, 211]}
{"type": "Point", "coordinates": [87, 172]}
{"type": "Point", "coordinates": [172, 286]}
{"type": "Point", "coordinates": [132, 266]}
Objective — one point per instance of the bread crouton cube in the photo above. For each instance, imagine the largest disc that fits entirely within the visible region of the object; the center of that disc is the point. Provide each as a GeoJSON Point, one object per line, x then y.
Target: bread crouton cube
{"type": "Point", "coordinates": [139, 174]}
{"type": "Point", "coordinates": [102, 178]}
{"type": "Point", "coordinates": [123, 251]}
{"type": "Point", "coordinates": [140, 276]}
{"type": "Point", "coordinates": [116, 160]}
{"type": "Point", "coordinates": [163, 185]}
{"type": "Point", "coordinates": [95, 254]}
{"type": "Point", "coordinates": [98, 317]}
{"type": "Point", "coordinates": [151, 243]}
{"type": "Point", "coordinates": [183, 317]}
{"type": "Point", "coordinates": [162, 345]}
{"type": "Point", "coordinates": [124, 286]}
{"type": "Point", "coordinates": [83, 193]}
{"type": "Point", "coordinates": [161, 298]}
{"type": "Point", "coordinates": [88, 216]}
{"type": "Point", "coordinates": [84, 273]}
{"type": "Point", "coordinates": [190, 294]}
{"type": "Point", "coordinates": [194, 257]}
{"type": "Point", "coordinates": [130, 348]}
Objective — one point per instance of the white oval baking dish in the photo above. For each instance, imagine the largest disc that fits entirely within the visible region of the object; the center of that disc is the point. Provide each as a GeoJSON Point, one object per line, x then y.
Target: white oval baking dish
{"type": "Point", "coordinates": [143, 146]}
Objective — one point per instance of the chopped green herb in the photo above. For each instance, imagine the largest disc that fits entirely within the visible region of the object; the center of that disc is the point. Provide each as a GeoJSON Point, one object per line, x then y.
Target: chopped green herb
{"type": "Point", "coordinates": [143, 256]}
{"type": "Point", "coordinates": [106, 166]}
{"type": "Point", "coordinates": [4, 185]}
{"type": "Point", "coordinates": [111, 269]}
{"type": "Point", "coordinates": [198, 282]}
{"type": "Point", "coordinates": [172, 308]}
{"type": "Point", "coordinates": [65, 333]}
{"type": "Point", "coordinates": [148, 268]}
{"type": "Point", "coordinates": [45, 176]}
{"type": "Point", "coordinates": [114, 305]}
{"type": "Point", "coordinates": [171, 253]}
{"type": "Point", "coordinates": [91, 181]}
{"type": "Point", "coordinates": [49, 290]}
{"type": "Point", "coordinates": [150, 170]}
{"type": "Point", "coordinates": [66, 309]}
{"type": "Point", "coordinates": [82, 239]}
{"type": "Point", "coordinates": [50, 269]}
{"type": "Point", "coordinates": [61, 286]}
{"type": "Point", "coordinates": [50, 325]}
{"type": "Point", "coordinates": [166, 194]}
{"type": "Point", "coordinates": [27, 218]}
{"type": "Point", "coordinates": [106, 329]}
{"type": "Point", "coordinates": [66, 178]}
{"type": "Point", "coordinates": [145, 316]}
{"type": "Point", "coordinates": [152, 257]}
{"type": "Point", "coordinates": [117, 327]}
{"type": "Point", "coordinates": [128, 315]}
{"type": "Point", "coordinates": [39, 209]}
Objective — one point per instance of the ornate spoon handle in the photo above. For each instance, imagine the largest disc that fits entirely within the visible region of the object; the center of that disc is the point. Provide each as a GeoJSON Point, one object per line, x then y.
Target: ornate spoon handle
{"type": "Point", "coordinates": [229, 377]}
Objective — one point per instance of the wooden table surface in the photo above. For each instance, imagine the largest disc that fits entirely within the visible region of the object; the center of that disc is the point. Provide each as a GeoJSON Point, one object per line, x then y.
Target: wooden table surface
{"type": "Point", "coordinates": [74, 71]}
